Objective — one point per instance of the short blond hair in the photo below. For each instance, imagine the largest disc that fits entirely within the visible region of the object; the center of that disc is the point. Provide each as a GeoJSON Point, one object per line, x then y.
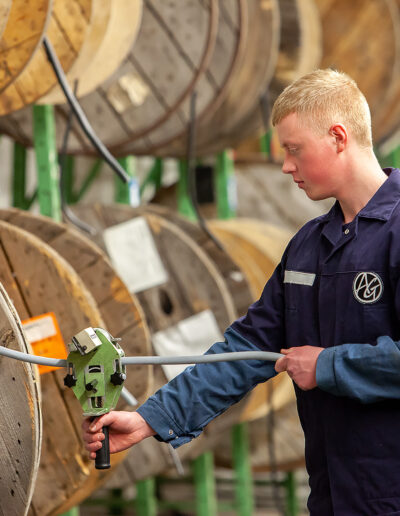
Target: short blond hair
{"type": "Point", "coordinates": [324, 97]}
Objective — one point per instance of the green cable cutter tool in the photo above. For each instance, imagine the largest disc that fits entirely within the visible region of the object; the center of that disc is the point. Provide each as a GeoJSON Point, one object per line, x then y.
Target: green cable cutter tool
{"type": "Point", "coordinates": [96, 375]}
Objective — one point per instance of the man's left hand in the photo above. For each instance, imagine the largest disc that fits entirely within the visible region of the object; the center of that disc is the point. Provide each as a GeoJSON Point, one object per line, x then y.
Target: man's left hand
{"type": "Point", "coordinates": [300, 363]}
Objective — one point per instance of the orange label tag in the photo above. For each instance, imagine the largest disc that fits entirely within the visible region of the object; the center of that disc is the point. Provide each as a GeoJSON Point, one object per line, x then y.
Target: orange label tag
{"type": "Point", "coordinates": [43, 334]}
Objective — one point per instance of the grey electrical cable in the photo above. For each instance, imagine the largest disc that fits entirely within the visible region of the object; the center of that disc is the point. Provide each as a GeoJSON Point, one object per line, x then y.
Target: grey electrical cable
{"type": "Point", "coordinates": [129, 397]}
{"type": "Point", "coordinates": [195, 359]}
{"type": "Point", "coordinates": [202, 359]}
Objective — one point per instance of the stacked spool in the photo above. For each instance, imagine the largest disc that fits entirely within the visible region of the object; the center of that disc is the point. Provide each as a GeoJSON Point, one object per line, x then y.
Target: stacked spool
{"type": "Point", "coordinates": [20, 417]}
{"type": "Point", "coordinates": [144, 106]}
{"type": "Point", "coordinates": [81, 290]}
{"type": "Point", "coordinates": [139, 103]}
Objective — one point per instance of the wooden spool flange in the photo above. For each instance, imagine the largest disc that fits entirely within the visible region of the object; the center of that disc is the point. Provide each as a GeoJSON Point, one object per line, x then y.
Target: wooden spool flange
{"type": "Point", "coordinates": [20, 417]}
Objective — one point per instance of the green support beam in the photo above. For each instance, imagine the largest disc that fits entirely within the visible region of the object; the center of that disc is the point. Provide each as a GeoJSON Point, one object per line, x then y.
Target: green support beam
{"type": "Point", "coordinates": [72, 512]}
{"type": "Point", "coordinates": [292, 506]}
{"type": "Point", "coordinates": [185, 206]}
{"type": "Point", "coordinates": [265, 144]}
{"type": "Point", "coordinates": [203, 472]}
{"type": "Point", "coordinates": [19, 180]}
{"type": "Point", "coordinates": [19, 176]}
{"type": "Point", "coordinates": [154, 177]}
{"type": "Point", "coordinates": [225, 186]}
{"type": "Point", "coordinates": [243, 475]}
{"type": "Point", "coordinates": [46, 161]}
{"type": "Point", "coordinates": [146, 501]}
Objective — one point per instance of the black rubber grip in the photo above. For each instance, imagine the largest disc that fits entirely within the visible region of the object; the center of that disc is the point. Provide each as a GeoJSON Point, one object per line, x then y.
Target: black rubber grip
{"type": "Point", "coordinates": [103, 455]}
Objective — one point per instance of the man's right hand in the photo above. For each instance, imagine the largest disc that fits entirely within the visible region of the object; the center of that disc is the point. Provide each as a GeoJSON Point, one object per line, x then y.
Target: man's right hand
{"type": "Point", "coordinates": [125, 430]}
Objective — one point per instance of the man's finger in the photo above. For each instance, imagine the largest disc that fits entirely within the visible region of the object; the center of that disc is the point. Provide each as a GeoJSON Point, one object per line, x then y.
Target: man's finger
{"type": "Point", "coordinates": [281, 365]}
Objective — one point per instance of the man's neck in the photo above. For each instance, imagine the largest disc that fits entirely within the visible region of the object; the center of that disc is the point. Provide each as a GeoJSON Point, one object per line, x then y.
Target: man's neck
{"type": "Point", "coordinates": [363, 181]}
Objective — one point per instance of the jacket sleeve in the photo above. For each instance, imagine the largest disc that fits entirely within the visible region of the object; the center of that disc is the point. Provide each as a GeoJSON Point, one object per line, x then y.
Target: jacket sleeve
{"type": "Point", "coordinates": [183, 407]}
{"type": "Point", "coordinates": [366, 372]}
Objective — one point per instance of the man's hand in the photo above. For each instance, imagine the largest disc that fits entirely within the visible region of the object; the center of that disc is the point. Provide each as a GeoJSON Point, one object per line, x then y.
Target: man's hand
{"type": "Point", "coordinates": [300, 364]}
{"type": "Point", "coordinates": [125, 430]}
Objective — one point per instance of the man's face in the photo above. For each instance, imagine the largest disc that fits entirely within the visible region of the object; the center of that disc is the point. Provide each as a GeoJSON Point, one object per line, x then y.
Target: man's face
{"type": "Point", "coordinates": [309, 158]}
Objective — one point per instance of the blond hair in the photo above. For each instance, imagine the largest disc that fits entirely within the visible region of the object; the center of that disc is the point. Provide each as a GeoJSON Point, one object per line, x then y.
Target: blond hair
{"type": "Point", "coordinates": [324, 97]}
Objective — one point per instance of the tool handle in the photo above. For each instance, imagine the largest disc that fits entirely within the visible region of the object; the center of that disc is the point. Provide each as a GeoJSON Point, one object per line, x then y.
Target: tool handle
{"type": "Point", "coordinates": [103, 455]}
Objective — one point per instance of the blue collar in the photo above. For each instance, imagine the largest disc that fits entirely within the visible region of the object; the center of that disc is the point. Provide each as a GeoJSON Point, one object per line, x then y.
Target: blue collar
{"type": "Point", "coordinates": [380, 206]}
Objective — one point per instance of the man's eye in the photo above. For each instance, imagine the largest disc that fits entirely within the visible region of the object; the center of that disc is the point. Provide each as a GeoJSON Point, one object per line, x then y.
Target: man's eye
{"type": "Point", "coordinates": [292, 150]}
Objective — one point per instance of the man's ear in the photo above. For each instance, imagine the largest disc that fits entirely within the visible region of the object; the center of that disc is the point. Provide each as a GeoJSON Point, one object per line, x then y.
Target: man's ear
{"type": "Point", "coordinates": [339, 132]}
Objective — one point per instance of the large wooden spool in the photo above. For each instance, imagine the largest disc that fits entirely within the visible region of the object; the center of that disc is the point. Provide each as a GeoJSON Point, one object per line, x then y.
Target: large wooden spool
{"type": "Point", "coordinates": [22, 34]}
{"type": "Point", "coordinates": [149, 87]}
{"type": "Point", "coordinates": [227, 57]}
{"type": "Point", "coordinates": [20, 417]}
{"type": "Point", "coordinates": [147, 96]}
{"type": "Point", "coordinates": [112, 33]}
{"type": "Point", "coordinates": [194, 278]}
{"type": "Point", "coordinates": [120, 310]}
{"type": "Point", "coordinates": [38, 280]}
{"type": "Point", "coordinates": [300, 52]}
{"type": "Point", "coordinates": [248, 82]}
{"type": "Point", "coordinates": [66, 30]}
{"type": "Point", "coordinates": [234, 278]}
{"type": "Point", "coordinates": [368, 51]}
{"type": "Point", "coordinates": [5, 7]}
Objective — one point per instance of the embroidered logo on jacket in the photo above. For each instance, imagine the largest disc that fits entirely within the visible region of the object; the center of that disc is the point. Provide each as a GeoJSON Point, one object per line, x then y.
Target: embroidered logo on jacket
{"type": "Point", "coordinates": [367, 287]}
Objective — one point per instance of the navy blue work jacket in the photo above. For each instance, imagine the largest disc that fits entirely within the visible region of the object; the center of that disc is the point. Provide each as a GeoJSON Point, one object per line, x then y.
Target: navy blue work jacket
{"type": "Point", "coordinates": [337, 287]}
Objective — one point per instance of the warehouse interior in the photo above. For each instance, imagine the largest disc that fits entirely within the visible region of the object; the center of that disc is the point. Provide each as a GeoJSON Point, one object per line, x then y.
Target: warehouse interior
{"type": "Point", "coordinates": [141, 192]}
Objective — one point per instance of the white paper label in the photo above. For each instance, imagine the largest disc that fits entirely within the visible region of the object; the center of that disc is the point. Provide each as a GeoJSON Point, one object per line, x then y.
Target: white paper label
{"type": "Point", "coordinates": [134, 254]}
{"type": "Point", "coordinates": [192, 336]}
{"type": "Point", "coordinates": [40, 329]}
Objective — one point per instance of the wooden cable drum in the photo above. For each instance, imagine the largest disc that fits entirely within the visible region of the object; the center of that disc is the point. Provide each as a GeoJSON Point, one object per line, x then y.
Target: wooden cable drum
{"type": "Point", "coordinates": [112, 33]}
{"type": "Point", "coordinates": [211, 88]}
{"type": "Point", "coordinates": [38, 281]}
{"type": "Point", "coordinates": [122, 314]}
{"type": "Point", "coordinates": [20, 417]}
{"type": "Point", "coordinates": [145, 96]}
{"type": "Point", "coordinates": [5, 7]}
{"type": "Point", "coordinates": [66, 31]}
{"type": "Point", "coordinates": [387, 120]}
{"type": "Point", "coordinates": [244, 90]}
{"type": "Point", "coordinates": [147, 91]}
{"type": "Point", "coordinates": [355, 43]}
{"type": "Point", "coordinates": [193, 286]}
{"type": "Point", "coordinates": [21, 36]}
{"type": "Point", "coordinates": [300, 50]}
{"type": "Point", "coordinates": [234, 278]}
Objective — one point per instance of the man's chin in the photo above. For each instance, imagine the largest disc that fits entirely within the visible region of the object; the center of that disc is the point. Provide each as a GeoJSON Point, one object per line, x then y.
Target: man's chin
{"type": "Point", "coordinates": [315, 196]}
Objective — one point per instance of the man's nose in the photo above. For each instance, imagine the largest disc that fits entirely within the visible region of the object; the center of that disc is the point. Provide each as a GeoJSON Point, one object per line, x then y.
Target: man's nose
{"type": "Point", "coordinates": [288, 166]}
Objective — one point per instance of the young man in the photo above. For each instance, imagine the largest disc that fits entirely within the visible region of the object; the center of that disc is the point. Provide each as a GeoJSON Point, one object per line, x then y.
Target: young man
{"type": "Point", "coordinates": [332, 307]}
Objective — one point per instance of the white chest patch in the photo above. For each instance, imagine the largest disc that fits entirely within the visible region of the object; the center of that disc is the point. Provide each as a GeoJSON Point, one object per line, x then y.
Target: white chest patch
{"type": "Point", "coordinates": [367, 287]}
